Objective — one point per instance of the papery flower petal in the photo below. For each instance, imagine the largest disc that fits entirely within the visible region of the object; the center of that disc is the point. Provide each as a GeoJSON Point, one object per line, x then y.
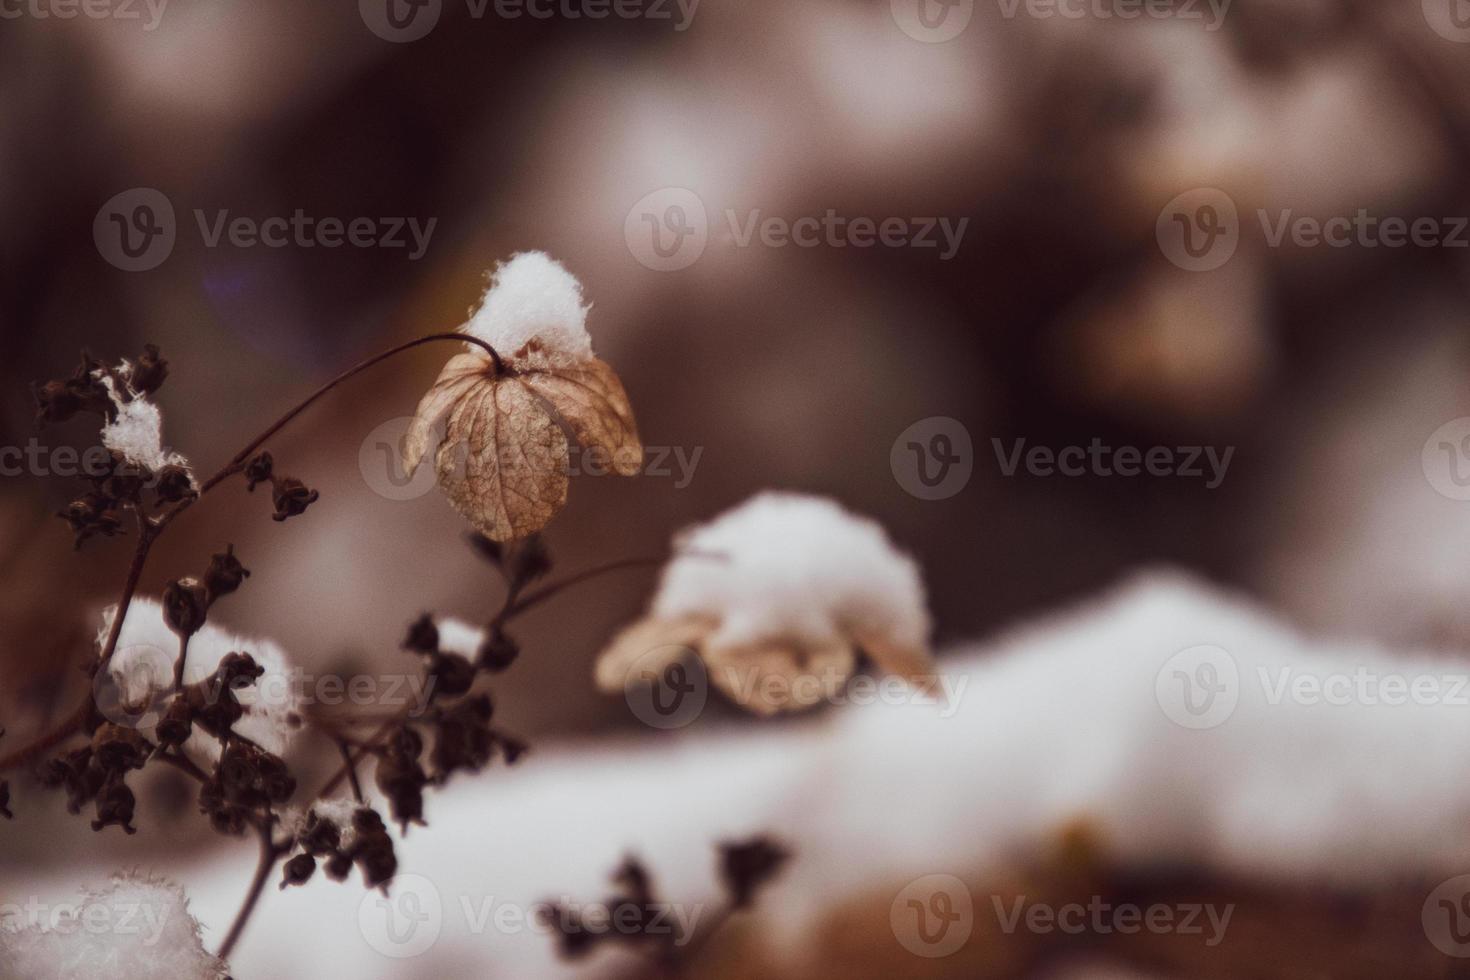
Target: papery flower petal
{"type": "Point", "coordinates": [591, 400]}
{"type": "Point", "coordinates": [459, 376]}
{"type": "Point", "coordinates": [649, 645]}
{"type": "Point", "coordinates": [769, 678]}
{"type": "Point", "coordinates": [503, 463]}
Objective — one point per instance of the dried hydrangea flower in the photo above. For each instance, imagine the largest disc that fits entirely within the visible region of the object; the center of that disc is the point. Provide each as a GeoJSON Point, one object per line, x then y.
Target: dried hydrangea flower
{"type": "Point", "coordinates": [501, 431]}
{"type": "Point", "coordinates": [777, 597]}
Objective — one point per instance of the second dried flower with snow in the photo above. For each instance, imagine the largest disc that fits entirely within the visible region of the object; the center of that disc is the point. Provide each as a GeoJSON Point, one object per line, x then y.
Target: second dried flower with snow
{"type": "Point", "coordinates": [779, 597]}
{"type": "Point", "coordinates": [503, 451]}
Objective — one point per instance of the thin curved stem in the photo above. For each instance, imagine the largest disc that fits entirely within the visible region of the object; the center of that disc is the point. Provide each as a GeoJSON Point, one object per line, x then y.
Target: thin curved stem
{"type": "Point", "coordinates": [269, 855]}
{"type": "Point", "coordinates": [351, 764]}
{"type": "Point", "coordinates": [555, 588]}
{"type": "Point", "coordinates": [237, 463]}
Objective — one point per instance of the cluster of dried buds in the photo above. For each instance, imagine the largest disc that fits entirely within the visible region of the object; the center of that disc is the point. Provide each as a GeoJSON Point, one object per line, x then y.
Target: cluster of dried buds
{"type": "Point", "coordinates": [85, 391]}
{"type": "Point", "coordinates": [289, 495]}
{"type": "Point", "coordinates": [186, 601]}
{"type": "Point", "coordinates": [365, 844]}
{"type": "Point", "coordinates": [96, 388]}
{"type": "Point", "coordinates": [745, 866]}
{"type": "Point", "coordinates": [96, 774]}
{"type": "Point", "coordinates": [244, 787]}
{"type": "Point", "coordinates": [458, 722]}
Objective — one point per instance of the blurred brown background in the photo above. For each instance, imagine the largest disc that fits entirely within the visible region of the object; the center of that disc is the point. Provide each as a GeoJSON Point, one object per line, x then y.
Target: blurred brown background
{"type": "Point", "coordinates": [1059, 320]}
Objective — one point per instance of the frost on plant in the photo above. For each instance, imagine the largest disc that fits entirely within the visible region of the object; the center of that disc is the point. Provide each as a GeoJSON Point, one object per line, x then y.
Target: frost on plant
{"type": "Point", "coordinates": [784, 587]}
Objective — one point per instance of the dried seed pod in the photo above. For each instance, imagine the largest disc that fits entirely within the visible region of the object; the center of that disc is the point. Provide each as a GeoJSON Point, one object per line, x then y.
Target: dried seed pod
{"type": "Point", "coordinates": [452, 675]}
{"type": "Point", "coordinates": [225, 574]}
{"type": "Point", "coordinates": [115, 806]}
{"type": "Point", "coordinates": [55, 402]}
{"type": "Point", "coordinates": [402, 781]}
{"type": "Point", "coordinates": [92, 514]}
{"type": "Point", "coordinates": [511, 747]}
{"type": "Point", "coordinates": [149, 371]}
{"type": "Point", "coordinates": [376, 859]}
{"type": "Point", "coordinates": [185, 605]}
{"type": "Point", "coordinates": [498, 651]}
{"type": "Point", "coordinates": [174, 484]}
{"type": "Point", "coordinates": [339, 866]}
{"type": "Point", "coordinates": [298, 870]}
{"type": "Point", "coordinates": [177, 723]}
{"type": "Point", "coordinates": [423, 635]}
{"type": "Point", "coordinates": [291, 498]}
{"type": "Point", "coordinates": [260, 469]}
{"type": "Point", "coordinates": [322, 836]}
{"type": "Point", "coordinates": [406, 744]}
{"type": "Point", "coordinates": [118, 749]}
{"type": "Point", "coordinates": [747, 865]}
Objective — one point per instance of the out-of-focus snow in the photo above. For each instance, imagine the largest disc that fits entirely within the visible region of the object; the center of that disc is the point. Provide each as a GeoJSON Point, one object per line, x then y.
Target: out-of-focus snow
{"type": "Point", "coordinates": [1068, 719]}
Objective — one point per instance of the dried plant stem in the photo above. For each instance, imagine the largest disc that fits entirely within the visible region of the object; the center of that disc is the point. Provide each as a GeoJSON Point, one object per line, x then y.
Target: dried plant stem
{"type": "Point", "coordinates": [354, 756]}
{"type": "Point", "coordinates": [539, 596]}
{"type": "Point", "coordinates": [350, 764]}
{"type": "Point", "coordinates": [149, 529]}
{"type": "Point", "coordinates": [182, 662]}
{"type": "Point", "coordinates": [269, 856]}
{"type": "Point", "coordinates": [237, 464]}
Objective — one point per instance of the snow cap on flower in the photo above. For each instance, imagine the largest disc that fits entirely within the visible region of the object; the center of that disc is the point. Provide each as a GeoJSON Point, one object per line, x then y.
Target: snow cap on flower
{"type": "Point", "coordinates": [458, 636]}
{"type": "Point", "coordinates": [137, 431]}
{"type": "Point", "coordinates": [338, 811]}
{"type": "Point", "coordinates": [142, 667]}
{"type": "Point", "coordinates": [785, 587]}
{"type": "Point", "coordinates": [533, 297]}
{"type": "Point", "coordinates": [134, 926]}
